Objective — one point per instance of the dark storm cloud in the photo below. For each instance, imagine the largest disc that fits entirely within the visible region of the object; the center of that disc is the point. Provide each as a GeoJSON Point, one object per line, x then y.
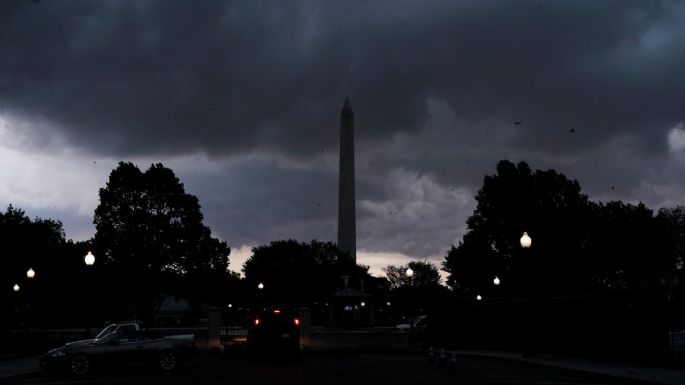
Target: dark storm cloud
{"type": "Point", "coordinates": [170, 77]}
{"type": "Point", "coordinates": [263, 203]}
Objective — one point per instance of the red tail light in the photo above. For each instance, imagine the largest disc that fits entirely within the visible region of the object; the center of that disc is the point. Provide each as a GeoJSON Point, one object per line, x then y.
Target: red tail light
{"type": "Point", "coordinates": [256, 322]}
{"type": "Point", "coordinates": [276, 311]}
{"type": "Point", "coordinates": [297, 322]}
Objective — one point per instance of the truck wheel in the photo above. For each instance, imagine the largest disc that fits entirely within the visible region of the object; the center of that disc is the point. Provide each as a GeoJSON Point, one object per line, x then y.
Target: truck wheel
{"type": "Point", "coordinates": [79, 365]}
{"type": "Point", "coordinates": [167, 360]}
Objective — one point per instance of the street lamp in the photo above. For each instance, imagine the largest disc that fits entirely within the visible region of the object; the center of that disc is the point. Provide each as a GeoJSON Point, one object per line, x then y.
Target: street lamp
{"type": "Point", "coordinates": [525, 240]}
{"type": "Point", "coordinates": [496, 281]}
{"type": "Point", "coordinates": [410, 273]}
{"type": "Point", "coordinates": [30, 273]}
{"type": "Point", "coordinates": [89, 259]}
{"type": "Point", "coordinates": [478, 297]}
{"type": "Point", "coordinates": [260, 286]}
{"type": "Point", "coordinates": [16, 287]}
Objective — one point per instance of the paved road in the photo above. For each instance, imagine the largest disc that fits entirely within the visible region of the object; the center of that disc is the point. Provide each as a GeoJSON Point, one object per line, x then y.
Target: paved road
{"type": "Point", "coordinates": [375, 369]}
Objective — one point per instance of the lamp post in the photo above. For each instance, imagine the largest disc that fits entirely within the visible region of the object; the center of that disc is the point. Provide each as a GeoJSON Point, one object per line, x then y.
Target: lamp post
{"type": "Point", "coordinates": [530, 343]}
{"type": "Point", "coordinates": [410, 274]}
{"type": "Point", "coordinates": [526, 263]}
{"type": "Point", "coordinates": [496, 281]}
{"type": "Point", "coordinates": [260, 300]}
{"type": "Point", "coordinates": [16, 302]}
{"type": "Point", "coordinates": [89, 260]}
{"type": "Point", "coordinates": [30, 301]}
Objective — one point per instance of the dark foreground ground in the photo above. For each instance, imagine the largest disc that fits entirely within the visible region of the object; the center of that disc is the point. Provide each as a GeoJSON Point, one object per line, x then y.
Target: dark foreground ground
{"type": "Point", "coordinates": [315, 369]}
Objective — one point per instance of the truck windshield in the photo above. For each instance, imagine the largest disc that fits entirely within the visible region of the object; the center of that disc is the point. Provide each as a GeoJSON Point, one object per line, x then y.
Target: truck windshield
{"type": "Point", "coordinates": [106, 331]}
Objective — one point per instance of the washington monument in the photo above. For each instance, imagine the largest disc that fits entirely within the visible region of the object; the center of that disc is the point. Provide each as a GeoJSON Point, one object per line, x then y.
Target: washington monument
{"type": "Point", "coordinates": [347, 230]}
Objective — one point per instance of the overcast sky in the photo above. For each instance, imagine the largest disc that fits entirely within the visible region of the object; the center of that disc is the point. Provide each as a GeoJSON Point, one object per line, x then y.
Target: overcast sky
{"type": "Point", "coordinates": [242, 100]}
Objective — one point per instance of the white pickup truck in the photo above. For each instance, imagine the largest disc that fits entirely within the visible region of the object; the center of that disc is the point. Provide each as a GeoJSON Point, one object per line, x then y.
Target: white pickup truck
{"type": "Point", "coordinates": [117, 344]}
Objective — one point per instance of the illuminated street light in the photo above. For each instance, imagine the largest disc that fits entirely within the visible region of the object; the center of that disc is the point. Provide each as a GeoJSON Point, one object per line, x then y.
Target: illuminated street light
{"type": "Point", "coordinates": [16, 287]}
{"type": "Point", "coordinates": [526, 241]}
{"type": "Point", "coordinates": [410, 275]}
{"type": "Point", "coordinates": [363, 304]}
{"type": "Point", "coordinates": [260, 286]}
{"type": "Point", "coordinates": [89, 259]}
{"type": "Point", "coordinates": [30, 273]}
{"type": "Point", "coordinates": [496, 281]}
{"type": "Point", "coordinates": [478, 297]}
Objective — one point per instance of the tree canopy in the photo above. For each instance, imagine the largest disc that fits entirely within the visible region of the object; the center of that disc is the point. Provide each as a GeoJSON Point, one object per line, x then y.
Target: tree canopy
{"type": "Point", "coordinates": [294, 272]}
{"type": "Point", "coordinates": [425, 274]}
{"type": "Point", "coordinates": [146, 220]}
{"type": "Point", "coordinates": [578, 245]}
{"type": "Point", "coordinates": [39, 244]}
{"type": "Point", "coordinates": [149, 232]}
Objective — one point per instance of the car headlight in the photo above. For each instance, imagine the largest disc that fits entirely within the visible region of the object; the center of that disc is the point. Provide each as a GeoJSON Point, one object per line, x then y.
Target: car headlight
{"type": "Point", "coordinates": [57, 354]}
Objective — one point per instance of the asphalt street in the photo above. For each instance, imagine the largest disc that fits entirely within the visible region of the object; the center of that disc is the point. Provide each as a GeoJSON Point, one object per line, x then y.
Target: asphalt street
{"type": "Point", "coordinates": [358, 369]}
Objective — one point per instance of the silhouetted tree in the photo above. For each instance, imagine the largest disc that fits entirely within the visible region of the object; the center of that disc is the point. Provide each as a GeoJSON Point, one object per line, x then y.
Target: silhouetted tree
{"type": "Point", "coordinates": [426, 274]}
{"type": "Point", "coordinates": [294, 272]}
{"type": "Point", "coordinates": [628, 242]}
{"type": "Point", "coordinates": [474, 263]}
{"type": "Point", "coordinates": [577, 245]}
{"type": "Point", "coordinates": [673, 220]}
{"type": "Point", "coordinates": [55, 296]}
{"type": "Point", "coordinates": [547, 205]}
{"type": "Point", "coordinates": [149, 231]}
{"type": "Point", "coordinates": [416, 295]}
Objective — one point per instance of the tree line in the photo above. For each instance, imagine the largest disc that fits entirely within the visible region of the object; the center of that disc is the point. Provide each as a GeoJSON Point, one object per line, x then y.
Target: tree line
{"type": "Point", "coordinates": [151, 242]}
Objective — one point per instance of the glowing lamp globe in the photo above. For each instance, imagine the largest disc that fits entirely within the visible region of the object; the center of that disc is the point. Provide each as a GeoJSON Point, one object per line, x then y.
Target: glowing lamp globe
{"type": "Point", "coordinates": [89, 259]}
{"type": "Point", "coordinates": [526, 241]}
{"type": "Point", "coordinates": [496, 281]}
{"type": "Point", "coordinates": [260, 286]}
{"type": "Point", "coordinates": [409, 272]}
{"type": "Point", "coordinates": [478, 297]}
{"type": "Point", "coordinates": [30, 273]}
{"type": "Point", "coordinates": [16, 287]}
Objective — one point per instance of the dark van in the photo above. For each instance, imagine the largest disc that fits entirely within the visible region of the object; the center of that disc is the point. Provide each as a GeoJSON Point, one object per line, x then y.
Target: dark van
{"type": "Point", "coordinates": [274, 331]}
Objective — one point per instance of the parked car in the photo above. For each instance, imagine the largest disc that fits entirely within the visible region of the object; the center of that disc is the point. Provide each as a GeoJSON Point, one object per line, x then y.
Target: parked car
{"type": "Point", "coordinates": [420, 324]}
{"type": "Point", "coordinates": [274, 331]}
{"type": "Point", "coordinates": [118, 347]}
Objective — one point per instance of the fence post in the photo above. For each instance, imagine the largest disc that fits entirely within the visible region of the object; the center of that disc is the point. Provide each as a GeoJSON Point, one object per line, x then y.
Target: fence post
{"type": "Point", "coordinates": [214, 329]}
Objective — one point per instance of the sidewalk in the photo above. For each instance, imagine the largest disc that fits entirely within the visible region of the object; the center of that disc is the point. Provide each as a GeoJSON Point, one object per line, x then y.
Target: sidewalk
{"type": "Point", "coordinates": [626, 371]}
{"type": "Point", "coordinates": [17, 367]}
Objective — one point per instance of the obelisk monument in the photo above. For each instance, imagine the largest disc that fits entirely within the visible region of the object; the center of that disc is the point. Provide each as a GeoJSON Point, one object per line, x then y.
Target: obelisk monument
{"type": "Point", "coordinates": [347, 228]}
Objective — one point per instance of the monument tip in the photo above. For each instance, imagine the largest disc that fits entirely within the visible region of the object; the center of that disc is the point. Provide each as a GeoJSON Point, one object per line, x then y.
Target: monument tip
{"type": "Point", "coordinates": [347, 106]}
